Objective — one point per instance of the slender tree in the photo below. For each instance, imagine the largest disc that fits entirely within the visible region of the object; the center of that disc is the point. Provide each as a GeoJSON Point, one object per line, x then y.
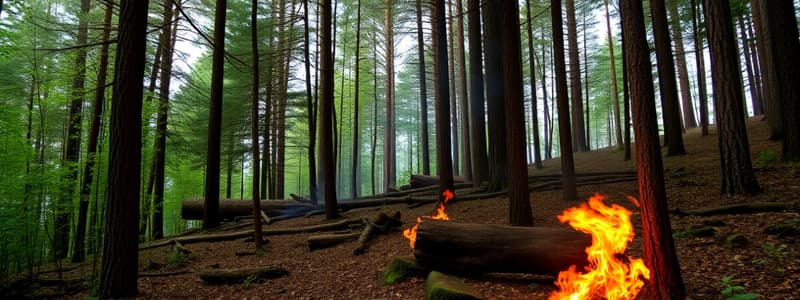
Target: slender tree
{"type": "Point", "coordinates": [466, 152]}
{"type": "Point", "coordinates": [452, 84]}
{"type": "Point", "coordinates": [613, 75]}
{"type": "Point", "coordinates": [748, 64]}
{"type": "Point", "coordinates": [767, 59]}
{"type": "Point", "coordinates": [666, 80]}
{"type": "Point", "coordinates": [537, 155]}
{"type": "Point", "coordinates": [374, 144]}
{"type": "Point", "coordinates": [578, 129]}
{"type": "Point", "coordinates": [518, 196]}
{"type": "Point", "coordinates": [569, 190]}
{"type": "Point", "coordinates": [444, 163]}
{"type": "Point", "coordinates": [328, 190]}
{"type": "Point", "coordinates": [310, 109]}
{"type": "Point", "coordinates": [211, 211]}
{"type": "Point", "coordinates": [120, 249]}
{"type": "Point", "coordinates": [492, 43]}
{"type": "Point", "coordinates": [389, 167]}
{"type": "Point", "coordinates": [423, 94]}
{"type": "Point", "coordinates": [78, 253]}
{"type": "Point", "coordinates": [354, 170]}
{"type": "Point", "coordinates": [659, 247]}
{"type": "Point", "coordinates": [254, 125]}
{"type": "Point", "coordinates": [689, 120]}
{"type": "Point", "coordinates": [701, 70]}
{"type": "Point", "coordinates": [480, 163]}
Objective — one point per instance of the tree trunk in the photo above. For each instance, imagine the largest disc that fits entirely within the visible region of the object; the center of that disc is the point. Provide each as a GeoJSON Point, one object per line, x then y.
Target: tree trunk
{"type": "Point", "coordinates": [701, 70]}
{"type": "Point", "coordinates": [748, 64]}
{"type": "Point", "coordinates": [783, 42]}
{"type": "Point", "coordinates": [518, 196]}
{"type": "Point", "coordinates": [587, 121]}
{"type": "Point", "coordinates": [211, 213]}
{"type": "Point", "coordinates": [754, 59]}
{"type": "Point", "coordinates": [354, 168]}
{"type": "Point", "coordinates": [423, 94]}
{"type": "Point", "coordinates": [495, 98]}
{"type": "Point", "coordinates": [769, 69]}
{"type": "Point", "coordinates": [493, 248]}
{"type": "Point", "coordinates": [613, 75]}
{"type": "Point", "coordinates": [569, 192]}
{"type": "Point", "coordinates": [537, 155]}
{"type": "Point", "coordinates": [578, 127]}
{"type": "Point", "coordinates": [666, 80]}
{"type": "Point", "coordinates": [310, 107]}
{"type": "Point", "coordinates": [444, 163]}
{"type": "Point", "coordinates": [480, 163]}
{"type": "Point", "coordinates": [328, 190]}
{"type": "Point", "coordinates": [389, 168]}
{"type": "Point", "coordinates": [78, 252]}
{"type": "Point", "coordinates": [659, 248]}
{"type": "Point", "coordinates": [452, 84]}
{"type": "Point", "coordinates": [374, 110]}
{"type": "Point", "coordinates": [737, 171]}
{"type": "Point", "coordinates": [120, 251]}
{"type": "Point", "coordinates": [466, 152]}
{"type": "Point", "coordinates": [72, 149]}
{"type": "Point", "coordinates": [548, 122]}
{"type": "Point", "coordinates": [689, 120]}
{"type": "Point", "coordinates": [254, 120]}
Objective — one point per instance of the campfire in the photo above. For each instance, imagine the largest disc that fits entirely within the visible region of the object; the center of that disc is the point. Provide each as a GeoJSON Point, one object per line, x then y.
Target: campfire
{"type": "Point", "coordinates": [411, 233]}
{"type": "Point", "coordinates": [606, 276]}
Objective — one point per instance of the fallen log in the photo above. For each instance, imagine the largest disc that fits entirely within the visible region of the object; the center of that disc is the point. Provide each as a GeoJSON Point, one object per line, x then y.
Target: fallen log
{"type": "Point", "coordinates": [440, 286]}
{"type": "Point", "coordinates": [192, 209]}
{"type": "Point", "coordinates": [246, 233]}
{"type": "Point", "coordinates": [493, 248]}
{"type": "Point", "coordinates": [383, 223]}
{"type": "Point", "coordinates": [162, 274]}
{"type": "Point", "coordinates": [317, 242]}
{"type": "Point", "coordinates": [235, 276]}
{"type": "Point", "coordinates": [418, 181]}
{"type": "Point", "coordinates": [745, 208]}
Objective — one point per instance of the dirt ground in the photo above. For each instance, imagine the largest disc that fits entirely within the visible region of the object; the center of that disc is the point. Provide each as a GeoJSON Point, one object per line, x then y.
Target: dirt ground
{"type": "Point", "coordinates": [766, 264]}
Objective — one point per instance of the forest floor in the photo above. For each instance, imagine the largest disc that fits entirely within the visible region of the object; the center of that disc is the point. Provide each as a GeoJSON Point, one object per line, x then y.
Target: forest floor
{"type": "Point", "coordinates": [766, 264]}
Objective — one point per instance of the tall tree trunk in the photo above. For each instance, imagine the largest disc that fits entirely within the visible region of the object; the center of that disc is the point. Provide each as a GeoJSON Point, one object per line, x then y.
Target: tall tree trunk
{"type": "Point", "coordinates": [737, 171]}
{"type": "Point", "coordinates": [453, 97]}
{"type": "Point", "coordinates": [120, 249]}
{"type": "Point", "coordinates": [286, 52]}
{"type": "Point", "coordinates": [477, 111]}
{"type": "Point", "coordinates": [659, 248]}
{"type": "Point", "coordinates": [587, 109]}
{"type": "Point", "coordinates": [229, 167]}
{"type": "Point", "coordinates": [211, 211]}
{"type": "Point", "coordinates": [495, 98]}
{"type": "Point", "coordinates": [578, 127]}
{"type": "Point", "coordinates": [73, 144]}
{"type": "Point", "coordinates": [466, 152]}
{"type": "Point", "coordinates": [374, 109]}
{"type": "Point", "coordinates": [254, 120]}
{"type": "Point", "coordinates": [161, 125]}
{"type": "Point", "coordinates": [626, 99]}
{"type": "Point", "coordinates": [78, 252]}
{"type": "Point", "coordinates": [444, 163]}
{"type": "Point", "coordinates": [769, 70]}
{"type": "Point", "coordinates": [354, 168]}
{"type": "Point", "coordinates": [666, 80]}
{"type": "Point", "coordinates": [328, 190]}
{"type": "Point", "coordinates": [569, 190]}
{"type": "Point", "coordinates": [689, 120]}
{"type": "Point", "coordinates": [266, 184]}
{"type": "Point", "coordinates": [613, 74]}
{"type": "Point", "coordinates": [701, 70]}
{"type": "Point", "coordinates": [748, 64]}
{"type": "Point", "coordinates": [518, 196]}
{"type": "Point", "coordinates": [310, 107]}
{"type": "Point", "coordinates": [537, 156]}
{"type": "Point", "coordinates": [548, 121]}
{"type": "Point", "coordinates": [389, 159]}
{"type": "Point", "coordinates": [423, 94]}
{"type": "Point", "coordinates": [754, 59]}
{"type": "Point", "coordinates": [784, 45]}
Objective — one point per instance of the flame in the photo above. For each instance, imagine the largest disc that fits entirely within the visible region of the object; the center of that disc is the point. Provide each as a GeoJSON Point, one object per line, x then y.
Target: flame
{"type": "Point", "coordinates": [606, 276]}
{"type": "Point", "coordinates": [411, 233]}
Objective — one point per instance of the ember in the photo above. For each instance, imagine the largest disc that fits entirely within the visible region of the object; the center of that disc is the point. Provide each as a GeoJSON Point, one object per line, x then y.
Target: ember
{"type": "Point", "coordinates": [606, 275]}
{"type": "Point", "coordinates": [411, 233]}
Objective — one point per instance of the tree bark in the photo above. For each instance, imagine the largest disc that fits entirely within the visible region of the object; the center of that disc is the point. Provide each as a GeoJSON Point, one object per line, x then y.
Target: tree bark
{"type": "Point", "coordinates": [666, 80]}
{"type": "Point", "coordinates": [444, 163]}
{"type": "Point", "coordinates": [689, 120]}
{"type": "Point", "coordinates": [328, 190]}
{"type": "Point", "coordinates": [748, 64]}
{"type": "Point", "coordinates": [354, 168]}
{"type": "Point", "coordinates": [701, 70]}
{"type": "Point", "coordinates": [120, 252]}
{"type": "Point", "coordinates": [423, 94]}
{"type": "Point", "coordinates": [737, 171]}
{"type": "Point", "coordinates": [537, 155]}
{"type": "Point", "coordinates": [78, 252]}
{"type": "Point", "coordinates": [254, 121]}
{"type": "Point", "coordinates": [659, 248]}
{"type": "Point", "coordinates": [374, 110]}
{"type": "Point", "coordinates": [466, 152]}
{"type": "Point", "coordinates": [769, 69]}
{"type": "Point", "coordinates": [211, 212]}
{"type": "Point", "coordinates": [569, 192]}
{"type": "Point", "coordinates": [310, 107]}
{"type": "Point", "coordinates": [495, 98]}
{"type": "Point", "coordinates": [578, 127]}
{"type": "Point", "coordinates": [613, 75]}
{"type": "Point", "coordinates": [493, 248]}
{"type": "Point", "coordinates": [452, 84]}
{"type": "Point", "coordinates": [480, 163]}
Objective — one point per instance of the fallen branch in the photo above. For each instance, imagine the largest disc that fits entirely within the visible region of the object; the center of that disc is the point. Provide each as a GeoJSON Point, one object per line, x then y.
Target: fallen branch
{"type": "Point", "coordinates": [383, 223]}
{"type": "Point", "coordinates": [317, 242]}
{"type": "Point", "coordinates": [235, 276]}
{"type": "Point", "coordinates": [745, 208]}
{"type": "Point", "coordinates": [163, 274]}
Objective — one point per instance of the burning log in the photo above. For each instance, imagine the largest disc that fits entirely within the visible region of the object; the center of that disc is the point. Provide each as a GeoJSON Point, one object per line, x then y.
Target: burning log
{"type": "Point", "coordinates": [192, 209]}
{"type": "Point", "coordinates": [493, 248]}
{"type": "Point", "coordinates": [236, 276]}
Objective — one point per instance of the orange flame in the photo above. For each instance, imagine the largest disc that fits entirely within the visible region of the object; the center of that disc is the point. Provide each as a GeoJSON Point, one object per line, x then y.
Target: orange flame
{"type": "Point", "coordinates": [411, 233]}
{"type": "Point", "coordinates": [606, 276]}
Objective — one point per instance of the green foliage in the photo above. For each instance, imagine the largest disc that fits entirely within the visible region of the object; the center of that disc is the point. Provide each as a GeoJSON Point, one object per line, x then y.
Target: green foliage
{"type": "Point", "coordinates": [176, 259]}
{"type": "Point", "coordinates": [778, 253]}
{"type": "Point", "coordinates": [735, 292]}
{"type": "Point", "coordinates": [249, 281]}
{"type": "Point", "coordinates": [767, 156]}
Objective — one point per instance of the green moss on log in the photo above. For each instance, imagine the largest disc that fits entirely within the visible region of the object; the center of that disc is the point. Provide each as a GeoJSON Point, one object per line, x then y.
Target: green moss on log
{"type": "Point", "coordinates": [440, 286]}
{"type": "Point", "coordinates": [401, 268]}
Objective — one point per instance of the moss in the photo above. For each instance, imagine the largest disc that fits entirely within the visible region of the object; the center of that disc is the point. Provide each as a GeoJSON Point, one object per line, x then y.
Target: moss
{"type": "Point", "coordinates": [401, 268]}
{"type": "Point", "coordinates": [440, 286]}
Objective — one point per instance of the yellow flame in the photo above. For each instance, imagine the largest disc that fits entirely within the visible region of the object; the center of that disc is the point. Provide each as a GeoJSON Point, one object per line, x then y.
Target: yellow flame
{"type": "Point", "coordinates": [411, 233]}
{"type": "Point", "coordinates": [606, 275]}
